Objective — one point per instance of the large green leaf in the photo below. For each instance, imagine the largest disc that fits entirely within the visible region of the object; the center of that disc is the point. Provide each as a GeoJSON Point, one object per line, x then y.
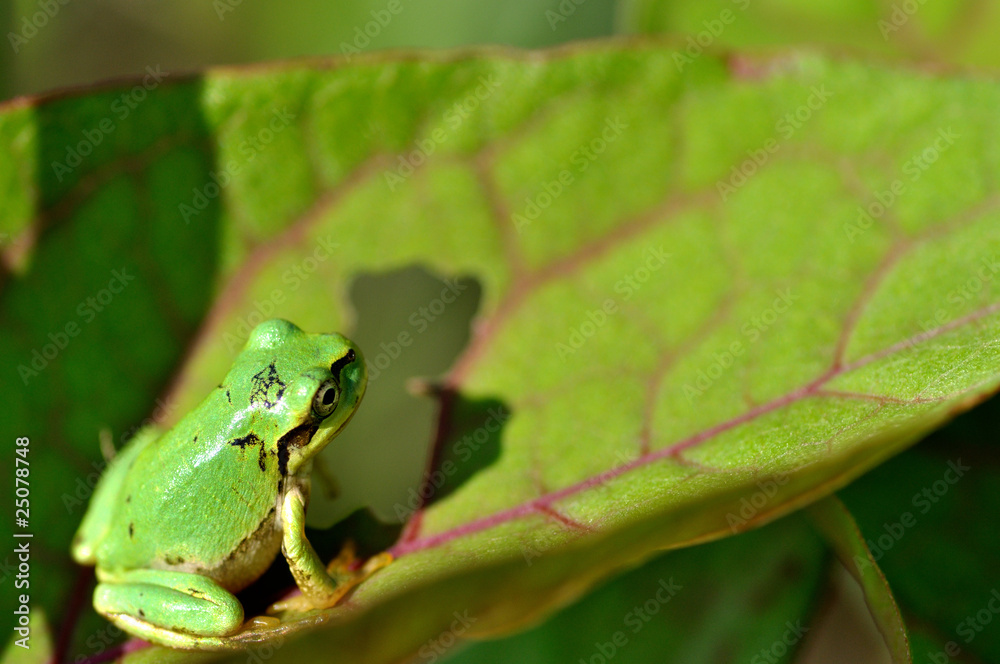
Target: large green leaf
{"type": "Point", "coordinates": [688, 324]}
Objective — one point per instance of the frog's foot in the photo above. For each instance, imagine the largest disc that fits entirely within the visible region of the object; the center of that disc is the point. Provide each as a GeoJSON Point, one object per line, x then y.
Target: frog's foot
{"type": "Point", "coordinates": [171, 608]}
{"type": "Point", "coordinates": [345, 578]}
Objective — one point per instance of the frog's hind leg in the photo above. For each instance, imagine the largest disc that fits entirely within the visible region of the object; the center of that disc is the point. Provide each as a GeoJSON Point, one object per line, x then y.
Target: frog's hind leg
{"type": "Point", "coordinates": [169, 607]}
{"type": "Point", "coordinates": [101, 509]}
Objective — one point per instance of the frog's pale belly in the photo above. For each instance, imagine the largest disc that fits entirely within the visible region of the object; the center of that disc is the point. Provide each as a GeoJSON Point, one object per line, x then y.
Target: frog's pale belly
{"type": "Point", "coordinates": [254, 554]}
{"type": "Point", "coordinates": [243, 566]}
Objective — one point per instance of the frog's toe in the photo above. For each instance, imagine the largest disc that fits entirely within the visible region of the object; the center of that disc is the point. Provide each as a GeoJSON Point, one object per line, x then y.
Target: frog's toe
{"type": "Point", "coordinates": [171, 602]}
{"type": "Point", "coordinates": [344, 560]}
{"type": "Point", "coordinates": [294, 604]}
{"type": "Point", "coordinates": [345, 580]}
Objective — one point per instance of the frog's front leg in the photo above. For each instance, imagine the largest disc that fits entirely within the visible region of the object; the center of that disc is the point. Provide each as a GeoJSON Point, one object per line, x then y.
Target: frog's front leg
{"type": "Point", "coordinates": [321, 587]}
{"type": "Point", "coordinates": [168, 607]}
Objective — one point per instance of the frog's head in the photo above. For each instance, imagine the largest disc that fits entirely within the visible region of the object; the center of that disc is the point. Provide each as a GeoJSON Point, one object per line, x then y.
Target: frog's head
{"type": "Point", "coordinates": [305, 388]}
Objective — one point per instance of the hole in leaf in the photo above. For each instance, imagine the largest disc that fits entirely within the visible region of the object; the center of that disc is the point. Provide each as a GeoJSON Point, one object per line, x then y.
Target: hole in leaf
{"type": "Point", "coordinates": [410, 324]}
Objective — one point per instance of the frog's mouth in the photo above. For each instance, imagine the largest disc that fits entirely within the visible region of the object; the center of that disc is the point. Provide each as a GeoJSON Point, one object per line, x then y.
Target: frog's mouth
{"type": "Point", "coordinates": [295, 439]}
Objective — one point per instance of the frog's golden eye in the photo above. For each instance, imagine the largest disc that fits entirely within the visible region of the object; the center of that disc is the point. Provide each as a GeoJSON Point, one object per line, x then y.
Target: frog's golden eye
{"type": "Point", "coordinates": [326, 398]}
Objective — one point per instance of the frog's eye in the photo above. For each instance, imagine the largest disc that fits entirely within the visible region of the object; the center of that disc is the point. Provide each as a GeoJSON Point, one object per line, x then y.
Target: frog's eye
{"type": "Point", "coordinates": [326, 398]}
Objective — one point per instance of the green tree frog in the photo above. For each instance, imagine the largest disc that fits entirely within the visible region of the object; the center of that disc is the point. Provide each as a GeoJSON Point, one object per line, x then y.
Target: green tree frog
{"type": "Point", "coordinates": [184, 518]}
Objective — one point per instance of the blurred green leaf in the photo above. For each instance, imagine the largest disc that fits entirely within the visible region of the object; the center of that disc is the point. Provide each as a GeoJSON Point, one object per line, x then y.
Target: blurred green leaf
{"type": "Point", "coordinates": [33, 647]}
{"type": "Point", "coordinates": [957, 32]}
{"type": "Point", "coordinates": [706, 619]}
{"type": "Point", "coordinates": [835, 522]}
{"type": "Point", "coordinates": [695, 316]}
{"type": "Point", "coordinates": [187, 35]}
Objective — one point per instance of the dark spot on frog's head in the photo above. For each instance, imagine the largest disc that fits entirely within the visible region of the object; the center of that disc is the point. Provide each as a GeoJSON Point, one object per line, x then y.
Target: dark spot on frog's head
{"type": "Point", "coordinates": [174, 560]}
{"type": "Point", "coordinates": [195, 439]}
{"type": "Point", "coordinates": [266, 387]}
{"type": "Point", "coordinates": [131, 529]}
{"type": "Point", "coordinates": [229, 398]}
{"type": "Point", "coordinates": [128, 498]}
{"type": "Point", "coordinates": [142, 614]}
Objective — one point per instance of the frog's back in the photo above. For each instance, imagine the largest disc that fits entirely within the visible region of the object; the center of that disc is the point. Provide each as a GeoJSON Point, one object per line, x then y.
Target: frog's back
{"type": "Point", "coordinates": [199, 499]}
